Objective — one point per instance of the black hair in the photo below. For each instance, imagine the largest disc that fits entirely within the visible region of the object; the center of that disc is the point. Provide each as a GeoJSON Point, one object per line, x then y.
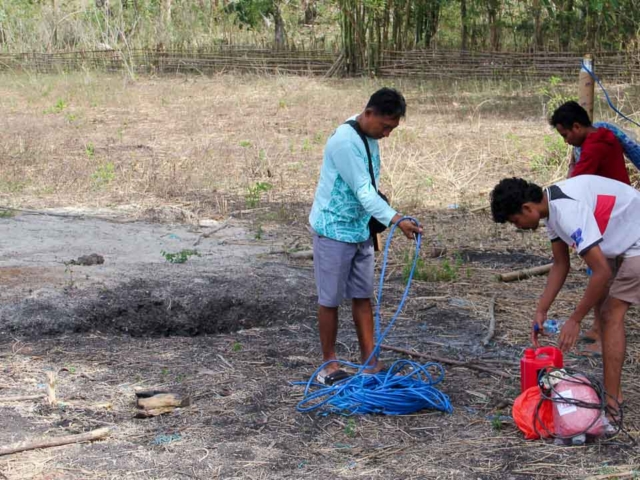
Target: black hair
{"type": "Point", "coordinates": [388, 102]}
{"type": "Point", "coordinates": [509, 195]}
{"type": "Point", "coordinates": [569, 113]}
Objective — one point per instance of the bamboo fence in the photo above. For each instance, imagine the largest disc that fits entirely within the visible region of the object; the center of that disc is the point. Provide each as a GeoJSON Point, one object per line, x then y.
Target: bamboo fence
{"type": "Point", "coordinates": [452, 64]}
{"type": "Point", "coordinates": [465, 64]}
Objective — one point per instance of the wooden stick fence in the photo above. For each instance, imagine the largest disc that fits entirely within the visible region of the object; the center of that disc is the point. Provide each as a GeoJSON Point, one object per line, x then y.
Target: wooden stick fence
{"type": "Point", "coordinates": [450, 64]}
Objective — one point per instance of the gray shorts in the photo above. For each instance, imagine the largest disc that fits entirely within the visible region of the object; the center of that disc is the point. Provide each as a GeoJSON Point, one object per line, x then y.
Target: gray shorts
{"type": "Point", "coordinates": [342, 270]}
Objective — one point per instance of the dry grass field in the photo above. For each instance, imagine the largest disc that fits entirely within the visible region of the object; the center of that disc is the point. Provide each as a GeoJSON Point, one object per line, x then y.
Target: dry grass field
{"type": "Point", "coordinates": [92, 139]}
{"type": "Point", "coordinates": [228, 165]}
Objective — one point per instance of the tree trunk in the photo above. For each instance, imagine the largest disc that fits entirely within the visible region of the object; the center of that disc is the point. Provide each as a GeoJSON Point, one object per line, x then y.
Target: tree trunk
{"type": "Point", "coordinates": [165, 12]}
{"type": "Point", "coordinates": [537, 25]}
{"type": "Point", "coordinates": [385, 28]}
{"type": "Point", "coordinates": [564, 24]}
{"type": "Point", "coordinates": [463, 20]}
{"type": "Point", "coordinates": [54, 39]}
{"type": "Point", "coordinates": [493, 11]}
{"type": "Point", "coordinates": [309, 12]}
{"type": "Point", "coordinates": [427, 16]}
{"type": "Point", "coordinates": [407, 27]}
{"type": "Point", "coordinates": [280, 36]}
{"type": "Point", "coordinates": [592, 27]}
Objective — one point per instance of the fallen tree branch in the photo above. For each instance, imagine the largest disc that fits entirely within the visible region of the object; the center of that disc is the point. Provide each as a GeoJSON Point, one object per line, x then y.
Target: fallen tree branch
{"type": "Point", "coordinates": [448, 361]}
{"type": "Point", "coordinates": [492, 322]}
{"type": "Point", "coordinates": [526, 273]}
{"type": "Point", "coordinates": [56, 442]}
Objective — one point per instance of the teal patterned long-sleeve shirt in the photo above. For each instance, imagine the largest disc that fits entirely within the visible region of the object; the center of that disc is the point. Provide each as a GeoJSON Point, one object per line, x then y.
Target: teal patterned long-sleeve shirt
{"type": "Point", "coordinates": [345, 199]}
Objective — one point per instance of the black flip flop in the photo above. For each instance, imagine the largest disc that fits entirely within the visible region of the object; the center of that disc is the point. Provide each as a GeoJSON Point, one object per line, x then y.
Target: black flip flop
{"type": "Point", "coordinates": [333, 377]}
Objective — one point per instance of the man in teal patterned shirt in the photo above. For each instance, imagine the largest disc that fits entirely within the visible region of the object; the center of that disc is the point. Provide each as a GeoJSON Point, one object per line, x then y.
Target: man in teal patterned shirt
{"type": "Point", "coordinates": [345, 201]}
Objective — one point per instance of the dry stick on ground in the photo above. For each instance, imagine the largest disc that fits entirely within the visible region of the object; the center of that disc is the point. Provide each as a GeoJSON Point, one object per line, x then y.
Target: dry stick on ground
{"type": "Point", "coordinates": [56, 442]}
{"type": "Point", "coordinates": [51, 388]}
{"type": "Point", "coordinates": [302, 254]}
{"type": "Point", "coordinates": [448, 361]}
{"type": "Point", "coordinates": [436, 298]}
{"type": "Point", "coordinates": [21, 398]}
{"type": "Point", "coordinates": [492, 322]}
{"type": "Point", "coordinates": [79, 216]}
{"type": "Point", "coordinates": [526, 273]}
{"type": "Point", "coordinates": [208, 234]}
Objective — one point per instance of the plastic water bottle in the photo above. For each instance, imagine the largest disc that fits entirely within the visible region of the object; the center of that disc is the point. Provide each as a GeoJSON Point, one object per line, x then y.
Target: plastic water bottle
{"type": "Point", "coordinates": [551, 326]}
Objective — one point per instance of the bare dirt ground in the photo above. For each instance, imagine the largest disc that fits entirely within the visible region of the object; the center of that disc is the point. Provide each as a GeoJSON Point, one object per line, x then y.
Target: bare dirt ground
{"type": "Point", "coordinates": [227, 166]}
{"type": "Point", "coordinates": [232, 328]}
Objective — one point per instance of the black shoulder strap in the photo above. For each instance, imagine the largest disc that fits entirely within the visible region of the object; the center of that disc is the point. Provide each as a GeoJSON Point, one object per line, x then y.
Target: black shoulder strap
{"type": "Point", "coordinates": [359, 131]}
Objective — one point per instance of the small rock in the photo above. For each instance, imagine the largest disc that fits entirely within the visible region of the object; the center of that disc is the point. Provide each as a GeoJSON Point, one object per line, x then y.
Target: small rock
{"type": "Point", "coordinates": [88, 260]}
{"type": "Point", "coordinates": [208, 222]}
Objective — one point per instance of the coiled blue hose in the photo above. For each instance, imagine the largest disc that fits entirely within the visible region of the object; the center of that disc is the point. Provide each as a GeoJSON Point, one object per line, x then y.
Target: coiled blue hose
{"type": "Point", "coordinates": [405, 387]}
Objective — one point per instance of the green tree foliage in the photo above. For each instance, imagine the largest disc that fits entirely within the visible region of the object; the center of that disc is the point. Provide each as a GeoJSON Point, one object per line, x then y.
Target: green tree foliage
{"type": "Point", "coordinates": [251, 12]}
{"type": "Point", "coordinates": [363, 29]}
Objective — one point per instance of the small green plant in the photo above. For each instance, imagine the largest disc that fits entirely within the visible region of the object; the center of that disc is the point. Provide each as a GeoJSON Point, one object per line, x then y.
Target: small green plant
{"type": "Point", "coordinates": [104, 174]}
{"type": "Point", "coordinates": [513, 138]}
{"type": "Point", "coordinates": [58, 107]}
{"type": "Point", "coordinates": [121, 131]}
{"type": "Point", "coordinates": [444, 271]}
{"type": "Point", "coordinates": [7, 213]}
{"type": "Point", "coordinates": [9, 186]}
{"type": "Point", "coordinates": [306, 145]}
{"type": "Point", "coordinates": [71, 369]}
{"type": "Point", "coordinates": [318, 138]}
{"type": "Point", "coordinates": [164, 371]}
{"type": "Point", "coordinates": [179, 257]}
{"type": "Point", "coordinates": [259, 233]}
{"type": "Point", "coordinates": [553, 156]}
{"type": "Point", "coordinates": [448, 271]}
{"type": "Point", "coordinates": [350, 428]}
{"type": "Point", "coordinates": [553, 94]}
{"type": "Point", "coordinates": [90, 150]}
{"type": "Point", "coordinates": [282, 103]}
{"type": "Point", "coordinates": [236, 347]}
{"type": "Point", "coordinates": [245, 143]}
{"type": "Point", "coordinates": [252, 198]}
{"type": "Point", "coordinates": [70, 117]}
{"type": "Point", "coordinates": [496, 423]}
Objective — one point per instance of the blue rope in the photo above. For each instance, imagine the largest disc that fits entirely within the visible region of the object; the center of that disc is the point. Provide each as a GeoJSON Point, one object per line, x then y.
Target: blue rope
{"type": "Point", "coordinates": [405, 387]}
{"type": "Point", "coordinates": [606, 94]}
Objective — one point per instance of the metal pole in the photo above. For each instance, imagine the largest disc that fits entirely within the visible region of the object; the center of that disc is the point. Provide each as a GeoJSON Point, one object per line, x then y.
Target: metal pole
{"type": "Point", "coordinates": [586, 85]}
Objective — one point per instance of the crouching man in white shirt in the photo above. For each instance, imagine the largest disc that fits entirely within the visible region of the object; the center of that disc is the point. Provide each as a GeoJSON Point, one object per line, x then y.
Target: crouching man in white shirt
{"type": "Point", "coordinates": [598, 217]}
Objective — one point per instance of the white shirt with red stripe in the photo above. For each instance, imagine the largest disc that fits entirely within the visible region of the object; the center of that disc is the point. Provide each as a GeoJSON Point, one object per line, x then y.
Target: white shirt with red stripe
{"type": "Point", "coordinates": [590, 210]}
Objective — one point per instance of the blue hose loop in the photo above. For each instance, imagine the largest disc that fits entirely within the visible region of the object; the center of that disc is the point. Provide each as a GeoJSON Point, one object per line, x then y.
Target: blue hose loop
{"type": "Point", "coordinates": [404, 388]}
{"type": "Point", "coordinates": [606, 94]}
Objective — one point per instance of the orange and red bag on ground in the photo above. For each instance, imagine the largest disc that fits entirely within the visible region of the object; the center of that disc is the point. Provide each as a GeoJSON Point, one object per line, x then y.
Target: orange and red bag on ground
{"type": "Point", "coordinates": [557, 417]}
{"type": "Point", "coordinates": [524, 414]}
